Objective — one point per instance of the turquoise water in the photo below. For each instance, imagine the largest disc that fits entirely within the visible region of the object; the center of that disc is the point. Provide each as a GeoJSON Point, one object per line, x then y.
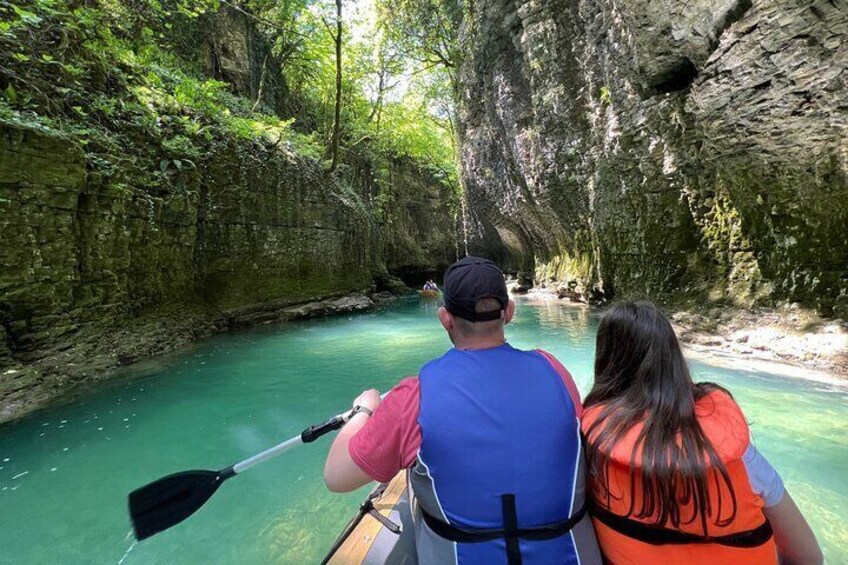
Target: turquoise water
{"type": "Point", "coordinates": [65, 472]}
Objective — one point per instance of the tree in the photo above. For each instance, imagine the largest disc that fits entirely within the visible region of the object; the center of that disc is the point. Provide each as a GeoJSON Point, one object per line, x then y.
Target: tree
{"type": "Point", "coordinates": [426, 31]}
{"type": "Point", "coordinates": [337, 119]}
{"type": "Point", "coordinates": [365, 86]}
{"type": "Point", "coordinates": [388, 66]}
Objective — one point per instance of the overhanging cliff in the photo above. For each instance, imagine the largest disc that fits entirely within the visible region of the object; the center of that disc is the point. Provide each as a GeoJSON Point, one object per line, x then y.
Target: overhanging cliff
{"type": "Point", "coordinates": [662, 148]}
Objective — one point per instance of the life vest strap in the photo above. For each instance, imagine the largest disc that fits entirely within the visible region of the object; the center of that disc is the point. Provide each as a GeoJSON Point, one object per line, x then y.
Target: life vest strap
{"type": "Point", "coordinates": [510, 520]}
{"type": "Point", "coordinates": [657, 535]}
{"type": "Point", "coordinates": [467, 535]}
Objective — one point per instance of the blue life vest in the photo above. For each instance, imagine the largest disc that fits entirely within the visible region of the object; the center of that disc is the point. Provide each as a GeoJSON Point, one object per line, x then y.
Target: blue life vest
{"type": "Point", "coordinates": [500, 431]}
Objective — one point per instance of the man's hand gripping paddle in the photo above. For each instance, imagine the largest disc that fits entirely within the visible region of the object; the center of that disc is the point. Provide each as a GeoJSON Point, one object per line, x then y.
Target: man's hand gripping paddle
{"type": "Point", "coordinates": [161, 504]}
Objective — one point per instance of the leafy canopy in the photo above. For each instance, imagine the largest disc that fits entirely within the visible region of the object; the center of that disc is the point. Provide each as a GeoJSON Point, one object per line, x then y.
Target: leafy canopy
{"type": "Point", "coordinates": [115, 71]}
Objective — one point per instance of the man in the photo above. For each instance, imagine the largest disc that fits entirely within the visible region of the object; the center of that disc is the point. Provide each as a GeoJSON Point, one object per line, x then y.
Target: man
{"type": "Point", "coordinates": [490, 433]}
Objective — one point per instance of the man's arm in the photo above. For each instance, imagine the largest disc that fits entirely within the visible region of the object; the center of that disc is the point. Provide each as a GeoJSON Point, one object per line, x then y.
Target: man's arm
{"type": "Point", "coordinates": [376, 448]}
{"type": "Point", "coordinates": [567, 380]}
{"type": "Point", "coordinates": [341, 473]}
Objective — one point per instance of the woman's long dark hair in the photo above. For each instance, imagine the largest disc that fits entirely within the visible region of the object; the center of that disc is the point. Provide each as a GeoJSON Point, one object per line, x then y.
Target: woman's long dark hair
{"type": "Point", "coordinates": [641, 377]}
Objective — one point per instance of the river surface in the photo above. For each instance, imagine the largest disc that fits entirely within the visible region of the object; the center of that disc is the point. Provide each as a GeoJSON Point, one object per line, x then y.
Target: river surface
{"type": "Point", "coordinates": [65, 472]}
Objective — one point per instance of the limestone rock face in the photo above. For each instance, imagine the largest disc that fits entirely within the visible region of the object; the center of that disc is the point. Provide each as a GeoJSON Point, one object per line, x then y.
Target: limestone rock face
{"type": "Point", "coordinates": [94, 275]}
{"type": "Point", "coordinates": [273, 226]}
{"type": "Point", "coordinates": [661, 147]}
{"type": "Point", "coordinates": [418, 221]}
{"type": "Point", "coordinates": [103, 262]}
{"type": "Point", "coordinates": [235, 52]}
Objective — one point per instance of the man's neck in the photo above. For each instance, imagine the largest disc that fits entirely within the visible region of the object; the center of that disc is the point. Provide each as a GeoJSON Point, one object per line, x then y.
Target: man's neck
{"type": "Point", "coordinates": [487, 342]}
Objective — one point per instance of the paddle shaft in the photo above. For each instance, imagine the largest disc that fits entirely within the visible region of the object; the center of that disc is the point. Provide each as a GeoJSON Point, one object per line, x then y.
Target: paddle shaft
{"type": "Point", "coordinates": [159, 505]}
{"type": "Point", "coordinates": [308, 435]}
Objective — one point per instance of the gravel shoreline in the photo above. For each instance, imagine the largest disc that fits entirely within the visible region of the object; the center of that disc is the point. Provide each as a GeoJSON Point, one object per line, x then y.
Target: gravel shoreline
{"type": "Point", "coordinates": [791, 341]}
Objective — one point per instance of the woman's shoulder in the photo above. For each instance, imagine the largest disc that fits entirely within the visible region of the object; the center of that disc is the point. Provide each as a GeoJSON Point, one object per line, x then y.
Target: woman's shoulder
{"type": "Point", "coordinates": [717, 412]}
{"type": "Point", "coordinates": [723, 422]}
{"type": "Point", "coordinates": [714, 402]}
{"type": "Point", "coordinates": [590, 414]}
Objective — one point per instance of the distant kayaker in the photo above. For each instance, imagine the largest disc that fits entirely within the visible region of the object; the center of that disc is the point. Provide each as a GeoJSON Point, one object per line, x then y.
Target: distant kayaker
{"type": "Point", "coordinates": [673, 475]}
{"type": "Point", "coordinates": [430, 285]}
{"type": "Point", "coordinates": [491, 436]}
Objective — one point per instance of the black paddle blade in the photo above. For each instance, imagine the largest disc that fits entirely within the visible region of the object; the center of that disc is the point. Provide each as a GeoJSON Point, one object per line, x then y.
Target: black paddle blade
{"type": "Point", "coordinates": [170, 500]}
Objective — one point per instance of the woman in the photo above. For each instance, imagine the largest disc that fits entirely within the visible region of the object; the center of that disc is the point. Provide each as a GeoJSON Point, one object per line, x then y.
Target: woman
{"type": "Point", "coordinates": [673, 475]}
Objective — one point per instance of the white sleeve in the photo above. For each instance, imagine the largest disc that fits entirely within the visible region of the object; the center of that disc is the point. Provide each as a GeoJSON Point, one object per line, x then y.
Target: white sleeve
{"type": "Point", "coordinates": [765, 482]}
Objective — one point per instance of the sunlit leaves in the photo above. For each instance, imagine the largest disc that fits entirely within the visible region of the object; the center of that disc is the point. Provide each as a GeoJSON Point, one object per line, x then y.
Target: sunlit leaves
{"type": "Point", "coordinates": [108, 69]}
{"type": "Point", "coordinates": [11, 94]}
{"type": "Point", "coordinates": [426, 30]}
{"type": "Point", "coordinates": [26, 17]}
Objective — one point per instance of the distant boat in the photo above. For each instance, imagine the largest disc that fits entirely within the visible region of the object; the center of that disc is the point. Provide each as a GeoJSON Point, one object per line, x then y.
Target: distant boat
{"type": "Point", "coordinates": [429, 294]}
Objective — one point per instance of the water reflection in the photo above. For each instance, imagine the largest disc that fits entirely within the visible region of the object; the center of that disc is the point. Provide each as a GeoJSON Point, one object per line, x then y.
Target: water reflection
{"type": "Point", "coordinates": [576, 322]}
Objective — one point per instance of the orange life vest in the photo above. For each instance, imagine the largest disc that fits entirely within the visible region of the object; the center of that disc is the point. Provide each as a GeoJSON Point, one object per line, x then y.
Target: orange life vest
{"type": "Point", "coordinates": [626, 539]}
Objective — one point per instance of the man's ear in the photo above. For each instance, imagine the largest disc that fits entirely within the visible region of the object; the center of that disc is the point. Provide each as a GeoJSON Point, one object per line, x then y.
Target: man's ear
{"type": "Point", "coordinates": [509, 312]}
{"type": "Point", "coordinates": [446, 319]}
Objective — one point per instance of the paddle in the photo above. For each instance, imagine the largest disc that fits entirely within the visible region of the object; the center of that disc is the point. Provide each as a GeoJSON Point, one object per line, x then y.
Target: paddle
{"type": "Point", "coordinates": [170, 500]}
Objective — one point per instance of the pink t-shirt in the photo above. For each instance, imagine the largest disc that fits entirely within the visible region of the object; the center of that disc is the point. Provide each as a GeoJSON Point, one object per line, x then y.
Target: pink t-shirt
{"type": "Point", "coordinates": [390, 439]}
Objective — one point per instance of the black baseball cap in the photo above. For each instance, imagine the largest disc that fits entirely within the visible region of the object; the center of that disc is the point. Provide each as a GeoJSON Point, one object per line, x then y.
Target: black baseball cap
{"type": "Point", "coordinates": [469, 280]}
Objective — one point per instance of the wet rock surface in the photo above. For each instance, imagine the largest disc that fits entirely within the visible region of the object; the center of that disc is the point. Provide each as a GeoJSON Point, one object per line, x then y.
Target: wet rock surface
{"type": "Point", "coordinates": [785, 335]}
{"type": "Point", "coordinates": [95, 275]}
{"type": "Point", "coordinates": [663, 148]}
{"type": "Point", "coordinates": [415, 217]}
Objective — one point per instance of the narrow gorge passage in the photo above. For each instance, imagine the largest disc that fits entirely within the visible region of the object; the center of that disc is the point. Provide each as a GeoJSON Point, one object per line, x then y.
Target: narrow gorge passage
{"type": "Point", "coordinates": [215, 214]}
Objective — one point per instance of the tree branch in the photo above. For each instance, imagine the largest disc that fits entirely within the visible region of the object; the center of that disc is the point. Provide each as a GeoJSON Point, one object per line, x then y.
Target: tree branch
{"type": "Point", "coordinates": [263, 20]}
{"type": "Point", "coordinates": [261, 84]}
{"type": "Point", "coordinates": [329, 29]}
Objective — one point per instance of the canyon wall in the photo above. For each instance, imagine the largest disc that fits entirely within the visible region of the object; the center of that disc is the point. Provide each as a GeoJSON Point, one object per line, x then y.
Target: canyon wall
{"type": "Point", "coordinates": [95, 274]}
{"type": "Point", "coordinates": [664, 149]}
{"type": "Point", "coordinates": [416, 219]}
{"type": "Point", "coordinates": [121, 242]}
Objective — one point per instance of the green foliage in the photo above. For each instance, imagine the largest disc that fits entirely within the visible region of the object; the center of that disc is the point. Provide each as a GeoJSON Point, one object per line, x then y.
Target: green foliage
{"type": "Point", "coordinates": [425, 30]}
{"type": "Point", "coordinates": [106, 74]}
{"type": "Point", "coordinates": [396, 102]}
{"type": "Point", "coordinates": [114, 74]}
{"type": "Point", "coordinates": [410, 130]}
